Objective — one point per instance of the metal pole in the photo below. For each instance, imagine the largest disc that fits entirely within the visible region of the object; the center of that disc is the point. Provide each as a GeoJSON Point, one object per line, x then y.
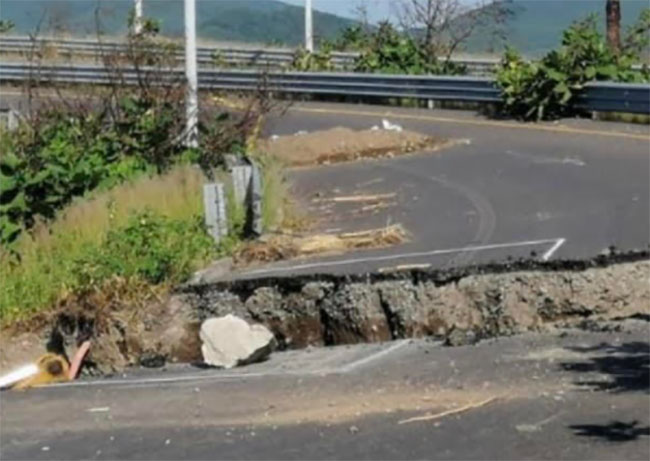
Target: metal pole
{"type": "Point", "coordinates": [137, 18]}
{"type": "Point", "coordinates": [191, 98]}
{"type": "Point", "coordinates": [309, 34]}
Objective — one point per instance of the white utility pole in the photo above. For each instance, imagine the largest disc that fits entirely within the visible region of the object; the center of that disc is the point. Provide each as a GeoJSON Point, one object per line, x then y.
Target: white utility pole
{"type": "Point", "coordinates": [191, 98]}
{"type": "Point", "coordinates": [137, 17]}
{"type": "Point", "coordinates": [309, 34]}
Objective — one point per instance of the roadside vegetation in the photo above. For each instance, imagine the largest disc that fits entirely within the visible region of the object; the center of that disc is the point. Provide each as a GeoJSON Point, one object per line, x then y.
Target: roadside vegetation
{"type": "Point", "coordinates": [6, 26]}
{"type": "Point", "coordinates": [98, 191]}
{"type": "Point", "coordinates": [546, 89]}
{"type": "Point", "coordinates": [531, 90]}
{"type": "Point", "coordinates": [422, 39]}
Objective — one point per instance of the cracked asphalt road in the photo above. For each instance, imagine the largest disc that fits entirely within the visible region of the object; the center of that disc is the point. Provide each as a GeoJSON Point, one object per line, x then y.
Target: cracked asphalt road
{"type": "Point", "coordinates": [572, 395]}
{"type": "Point", "coordinates": [587, 183]}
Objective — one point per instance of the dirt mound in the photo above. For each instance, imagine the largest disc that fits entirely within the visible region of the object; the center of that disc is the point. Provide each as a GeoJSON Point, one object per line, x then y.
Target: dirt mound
{"type": "Point", "coordinates": [343, 144]}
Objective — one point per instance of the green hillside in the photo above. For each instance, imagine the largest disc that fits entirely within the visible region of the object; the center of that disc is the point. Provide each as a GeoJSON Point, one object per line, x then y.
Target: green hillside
{"type": "Point", "coordinates": [536, 25]}
{"type": "Point", "coordinates": [261, 21]}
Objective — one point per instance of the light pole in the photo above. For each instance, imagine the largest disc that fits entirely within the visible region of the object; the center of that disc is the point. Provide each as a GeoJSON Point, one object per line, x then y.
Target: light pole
{"type": "Point", "coordinates": [309, 35]}
{"type": "Point", "coordinates": [137, 18]}
{"type": "Point", "coordinates": [191, 98]}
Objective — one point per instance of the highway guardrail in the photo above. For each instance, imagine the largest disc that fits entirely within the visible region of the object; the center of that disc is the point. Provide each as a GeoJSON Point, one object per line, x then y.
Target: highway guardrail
{"type": "Point", "coordinates": [209, 55]}
{"type": "Point", "coordinates": [596, 96]}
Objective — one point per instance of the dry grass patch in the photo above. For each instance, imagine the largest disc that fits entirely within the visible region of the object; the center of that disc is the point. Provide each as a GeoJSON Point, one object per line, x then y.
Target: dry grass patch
{"type": "Point", "coordinates": [280, 247]}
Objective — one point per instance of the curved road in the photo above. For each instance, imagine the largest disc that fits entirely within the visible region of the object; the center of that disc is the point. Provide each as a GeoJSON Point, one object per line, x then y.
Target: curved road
{"type": "Point", "coordinates": [507, 190]}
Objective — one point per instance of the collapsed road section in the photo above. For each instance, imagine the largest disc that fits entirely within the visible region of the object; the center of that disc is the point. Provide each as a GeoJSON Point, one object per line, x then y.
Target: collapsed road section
{"type": "Point", "coordinates": [459, 306]}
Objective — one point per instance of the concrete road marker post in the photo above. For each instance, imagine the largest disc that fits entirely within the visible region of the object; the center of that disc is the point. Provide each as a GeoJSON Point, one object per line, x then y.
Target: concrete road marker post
{"type": "Point", "coordinates": [241, 178]}
{"type": "Point", "coordinates": [214, 204]}
{"type": "Point", "coordinates": [255, 201]}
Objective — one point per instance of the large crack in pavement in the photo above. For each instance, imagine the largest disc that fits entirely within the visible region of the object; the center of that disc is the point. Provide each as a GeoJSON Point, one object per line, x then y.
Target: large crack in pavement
{"type": "Point", "coordinates": [458, 305]}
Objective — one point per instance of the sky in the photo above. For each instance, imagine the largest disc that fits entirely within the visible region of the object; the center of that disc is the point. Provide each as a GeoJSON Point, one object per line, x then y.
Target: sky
{"type": "Point", "coordinates": [377, 9]}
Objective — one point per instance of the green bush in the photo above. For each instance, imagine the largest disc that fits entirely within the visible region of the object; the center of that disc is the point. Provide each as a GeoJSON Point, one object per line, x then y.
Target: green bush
{"type": "Point", "coordinates": [43, 170]}
{"type": "Point", "coordinates": [355, 37]}
{"type": "Point", "coordinates": [388, 51]}
{"type": "Point", "coordinates": [317, 61]}
{"type": "Point", "coordinates": [150, 247]}
{"type": "Point", "coordinates": [382, 50]}
{"type": "Point", "coordinates": [546, 89]}
{"type": "Point", "coordinates": [65, 155]}
{"type": "Point", "coordinates": [6, 26]}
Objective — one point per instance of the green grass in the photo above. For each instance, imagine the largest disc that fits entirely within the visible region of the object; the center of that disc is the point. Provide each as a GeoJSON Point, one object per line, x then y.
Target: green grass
{"type": "Point", "coordinates": [150, 229]}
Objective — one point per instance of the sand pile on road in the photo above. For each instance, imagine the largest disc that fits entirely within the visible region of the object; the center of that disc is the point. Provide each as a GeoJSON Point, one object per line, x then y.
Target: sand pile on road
{"type": "Point", "coordinates": [343, 144]}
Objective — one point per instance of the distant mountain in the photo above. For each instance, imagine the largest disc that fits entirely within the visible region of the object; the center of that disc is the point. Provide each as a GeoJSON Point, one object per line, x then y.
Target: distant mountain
{"type": "Point", "coordinates": [536, 25]}
{"type": "Point", "coordinates": [260, 21]}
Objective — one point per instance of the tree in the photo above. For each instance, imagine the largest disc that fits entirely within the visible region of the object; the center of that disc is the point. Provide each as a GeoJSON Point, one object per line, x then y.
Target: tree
{"type": "Point", "coordinates": [441, 27]}
{"type": "Point", "coordinates": [637, 36]}
{"type": "Point", "coordinates": [613, 11]}
{"type": "Point", "coordinates": [5, 26]}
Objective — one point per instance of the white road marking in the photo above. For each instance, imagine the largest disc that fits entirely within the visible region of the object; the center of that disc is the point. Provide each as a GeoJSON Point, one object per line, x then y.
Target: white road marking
{"type": "Point", "coordinates": [170, 379]}
{"type": "Point", "coordinates": [222, 377]}
{"type": "Point", "coordinates": [539, 159]}
{"type": "Point", "coordinates": [98, 410]}
{"type": "Point", "coordinates": [546, 256]}
{"type": "Point", "coordinates": [371, 358]}
{"type": "Point", "coordinates": [557, 242]}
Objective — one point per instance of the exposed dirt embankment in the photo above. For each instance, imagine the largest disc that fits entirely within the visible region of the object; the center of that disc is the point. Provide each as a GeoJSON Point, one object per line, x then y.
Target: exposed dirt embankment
{"type": "Point", "coordinates": [459, 305]}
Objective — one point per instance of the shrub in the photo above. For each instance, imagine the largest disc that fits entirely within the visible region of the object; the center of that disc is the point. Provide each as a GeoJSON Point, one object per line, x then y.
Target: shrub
{"type": "Point", "coordinates": [66, 155]}
{"type": "Point", "coordinates": [149, 247]}
{"type": "Point", "coordinates": [149, 229]}
{"type": "Point", "coordinates": [546, 89]}
{"type": "Point", "coordinates": [382, 50]}
{"type": "Point", "coordinates": [305, 61]}
{"type": "Point", "coordinates": [388, 51]}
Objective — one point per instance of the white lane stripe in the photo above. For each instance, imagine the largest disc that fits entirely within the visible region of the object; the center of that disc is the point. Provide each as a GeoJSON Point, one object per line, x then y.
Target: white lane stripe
{"type": "Point", "coordinates": [171, 379]}
{"type": "Point", "coordinates": [345, 262]}
{"type": "Point", "coordinates": [217, 377]}
{"type": "Point", "coordinates": [371, 358]}
{"type": "Point", "coordinates": [546, 256]}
